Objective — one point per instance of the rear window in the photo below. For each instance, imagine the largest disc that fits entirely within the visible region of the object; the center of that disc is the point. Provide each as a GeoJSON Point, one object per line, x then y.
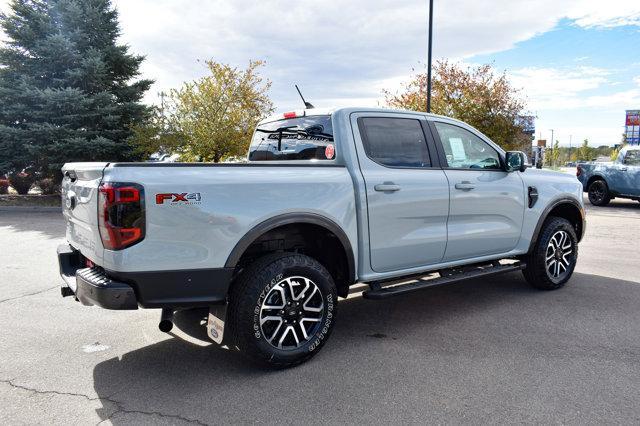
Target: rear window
{"type": "Point", "coordinates": [301, 138]}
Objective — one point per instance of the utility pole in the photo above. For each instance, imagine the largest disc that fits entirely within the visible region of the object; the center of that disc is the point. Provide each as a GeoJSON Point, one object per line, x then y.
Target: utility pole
{"type": "Point", "coordinates": [429, 56]}
{"type": "Point", "coordinates": [162, 96]}
{"type": "Point", "coordinates": [570, 137]}
{"type": "Point", "coordinates": [552, 153]}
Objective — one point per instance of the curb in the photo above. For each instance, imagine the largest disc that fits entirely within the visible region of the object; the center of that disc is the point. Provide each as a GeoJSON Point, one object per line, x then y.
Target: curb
{"type": "Point", "coordinates": [31, 209]}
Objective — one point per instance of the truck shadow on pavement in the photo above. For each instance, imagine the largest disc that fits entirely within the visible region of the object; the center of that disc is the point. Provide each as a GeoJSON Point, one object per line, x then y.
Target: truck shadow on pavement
{"type": "Point", "coordinates": [619, 205]}
{"type": "Point", "coordinates": [452, 340]}
{"type": "Point", "coordinates": [49, 224]}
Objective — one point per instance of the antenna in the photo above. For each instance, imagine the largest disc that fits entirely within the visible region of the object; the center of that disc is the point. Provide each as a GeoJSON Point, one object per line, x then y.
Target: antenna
{"type": "Point", "coordinates": [307, 105]}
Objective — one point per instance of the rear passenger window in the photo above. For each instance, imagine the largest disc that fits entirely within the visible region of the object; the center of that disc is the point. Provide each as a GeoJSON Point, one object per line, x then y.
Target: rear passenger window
{"type": "Point", "coordinates": [394, 142]}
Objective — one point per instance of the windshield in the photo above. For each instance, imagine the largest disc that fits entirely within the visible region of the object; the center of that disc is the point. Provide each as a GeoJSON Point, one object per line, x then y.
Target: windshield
{"type": "Point", "coordinates": [301, 138]}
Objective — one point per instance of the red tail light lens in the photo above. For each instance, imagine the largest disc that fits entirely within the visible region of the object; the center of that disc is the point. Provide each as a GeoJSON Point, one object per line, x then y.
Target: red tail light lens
{"type": "Point", "coordinates": [121, 215]}
{"type": "Point", "coordinates": [578, 171]}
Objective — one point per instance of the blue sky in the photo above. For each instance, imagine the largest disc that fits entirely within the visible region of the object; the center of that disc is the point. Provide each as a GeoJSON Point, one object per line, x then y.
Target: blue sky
{"type": "Point", "coordinates": [576, 61]}
{"type": "Point", "coordinates": [577, 80]}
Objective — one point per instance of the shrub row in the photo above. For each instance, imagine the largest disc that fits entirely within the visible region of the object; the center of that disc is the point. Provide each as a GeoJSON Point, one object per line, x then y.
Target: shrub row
{"type": "Point", "coordinates": [22, 183]}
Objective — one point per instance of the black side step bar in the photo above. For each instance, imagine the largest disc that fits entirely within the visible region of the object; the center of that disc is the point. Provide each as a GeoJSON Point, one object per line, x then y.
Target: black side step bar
{"type": "Point", "coordinates": [446, 277]}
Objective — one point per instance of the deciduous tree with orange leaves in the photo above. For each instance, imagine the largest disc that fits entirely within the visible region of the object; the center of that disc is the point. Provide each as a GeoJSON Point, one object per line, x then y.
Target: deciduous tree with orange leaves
{"type": "Point", "coordinates": [476, 95]}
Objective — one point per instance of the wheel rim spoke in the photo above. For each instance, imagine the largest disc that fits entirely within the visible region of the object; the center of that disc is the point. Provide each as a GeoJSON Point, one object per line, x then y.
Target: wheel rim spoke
{"type": "Point", "coordinates": [558, 254]}
{"type": "Point", "coordinates": [308, 308]}
{"type": "Point", "coordinates": [291, 313]}
{"type": "Point", "coordinates": [283, 297]}
{"type": "Point", "coordinates": [275, 332]}
{"type": "Point", "coordinates": [304, 330]}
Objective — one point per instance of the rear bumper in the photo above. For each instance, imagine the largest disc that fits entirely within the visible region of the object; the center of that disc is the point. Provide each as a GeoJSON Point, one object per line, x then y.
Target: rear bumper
{"type": "Point", "coordinates": [91, 286]}
{"type": "Point", "coordinates": [151, 289]}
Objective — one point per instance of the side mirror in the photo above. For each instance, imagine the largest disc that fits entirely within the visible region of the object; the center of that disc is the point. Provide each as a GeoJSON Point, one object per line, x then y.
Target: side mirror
{"type": "Point", "coordinates": [515, 161]}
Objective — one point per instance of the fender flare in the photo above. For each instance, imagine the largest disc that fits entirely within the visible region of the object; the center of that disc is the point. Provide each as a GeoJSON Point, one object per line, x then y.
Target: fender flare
{"type": "Point", "coordinates": [545, 214]}
{"type": "Point", "coordinates": [594, 178]}
{"type": "Point", "coordinates": [287, 219]}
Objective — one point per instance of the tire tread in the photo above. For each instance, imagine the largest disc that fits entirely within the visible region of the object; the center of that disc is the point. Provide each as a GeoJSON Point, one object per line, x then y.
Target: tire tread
{"type": "Point", "coordinates": [535, 272]}
{"type": "Point", "coordinates": [243, 292]}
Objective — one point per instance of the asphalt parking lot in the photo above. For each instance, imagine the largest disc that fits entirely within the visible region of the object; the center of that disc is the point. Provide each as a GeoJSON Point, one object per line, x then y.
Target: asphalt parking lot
{"type": "Point", "coordinates": [483, 351]}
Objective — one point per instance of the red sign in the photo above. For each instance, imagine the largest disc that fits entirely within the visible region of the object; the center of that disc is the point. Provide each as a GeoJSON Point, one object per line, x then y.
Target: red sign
{"type": "Point", "coordinates": [329, 152]}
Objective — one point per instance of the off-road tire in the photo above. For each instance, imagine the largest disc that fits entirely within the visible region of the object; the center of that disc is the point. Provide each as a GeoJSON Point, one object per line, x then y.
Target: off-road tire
{"type": "Point", "coordinates": [250, 290]}
{"type": "Point", "coordinates": [599, 193]}
{"type": "Point", "coordinates": [536, 272]}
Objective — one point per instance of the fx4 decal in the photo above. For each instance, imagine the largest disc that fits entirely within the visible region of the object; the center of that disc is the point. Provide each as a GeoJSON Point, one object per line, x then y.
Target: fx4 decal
{"type": "Point", "coordinates": [181, 199]}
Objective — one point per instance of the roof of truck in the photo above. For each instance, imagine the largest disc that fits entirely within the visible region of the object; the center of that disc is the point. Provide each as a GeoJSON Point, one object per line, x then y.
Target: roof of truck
{"type": "Point", "coordinates": [332, 110]}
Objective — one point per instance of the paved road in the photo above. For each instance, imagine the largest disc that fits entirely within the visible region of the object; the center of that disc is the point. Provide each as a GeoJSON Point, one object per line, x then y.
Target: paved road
{"type": "Point", "coordinates": [486, 351]}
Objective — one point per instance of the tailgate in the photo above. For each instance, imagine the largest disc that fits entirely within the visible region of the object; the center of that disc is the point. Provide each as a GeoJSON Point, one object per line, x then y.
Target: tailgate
{"type": "Point", "coordinates": [80, 207]}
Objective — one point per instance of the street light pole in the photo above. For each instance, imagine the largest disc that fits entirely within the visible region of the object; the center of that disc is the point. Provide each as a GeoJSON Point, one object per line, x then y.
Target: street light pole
{"type": "Point", "coordinates": [429, 56]}
{"type": "Point", "coordinates": [570, 137]}
{"type": "Point", "coordinates": [552, 145]}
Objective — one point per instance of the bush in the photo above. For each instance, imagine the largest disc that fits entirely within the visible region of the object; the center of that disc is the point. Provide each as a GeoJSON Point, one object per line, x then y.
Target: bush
{"type": "Point", "coordinates": [4, 186]}
{"type": "Point", "coordinates": [21, 182]}
{"type": "Point", "coordinates": [48, 186]}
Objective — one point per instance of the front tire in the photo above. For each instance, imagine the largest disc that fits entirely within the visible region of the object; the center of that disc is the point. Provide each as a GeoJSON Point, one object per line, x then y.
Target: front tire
{"type": "Point", "coordinates": [553, 258]}
{"type": "Point", "coordinates": [599, 193]}
{"type": "Point", "coordinates": [282, 309]}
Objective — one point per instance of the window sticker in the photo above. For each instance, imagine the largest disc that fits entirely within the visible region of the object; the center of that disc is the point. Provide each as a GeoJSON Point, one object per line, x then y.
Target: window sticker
{"type": "Point", "coordinates": [457, 149]}
{"type": "Point", "coordinates": [329, 152]}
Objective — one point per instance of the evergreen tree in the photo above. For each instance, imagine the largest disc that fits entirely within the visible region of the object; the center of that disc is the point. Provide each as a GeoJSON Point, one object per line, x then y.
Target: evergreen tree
{"type": "Point", "coordinates": [67, 89]}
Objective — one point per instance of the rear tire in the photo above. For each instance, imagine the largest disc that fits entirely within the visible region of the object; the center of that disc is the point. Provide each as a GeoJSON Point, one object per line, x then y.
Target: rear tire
{"type": "Point", "coordinates": [282, 309]}
{"type": "Point", "coordinates": [553, 258]}
{"type": "Point", "coordinates": [599, 193]}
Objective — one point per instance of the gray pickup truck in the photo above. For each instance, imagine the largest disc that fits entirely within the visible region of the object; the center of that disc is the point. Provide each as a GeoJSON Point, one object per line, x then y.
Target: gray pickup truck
{"type": "Point", "coordinates": [606, 181]}
{"type": "Point", "coordinates": [397, 200]}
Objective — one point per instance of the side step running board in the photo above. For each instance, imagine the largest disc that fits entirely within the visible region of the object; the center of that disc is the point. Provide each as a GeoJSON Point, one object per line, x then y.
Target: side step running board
{"type": "Point", "coordinates": [446, 277]}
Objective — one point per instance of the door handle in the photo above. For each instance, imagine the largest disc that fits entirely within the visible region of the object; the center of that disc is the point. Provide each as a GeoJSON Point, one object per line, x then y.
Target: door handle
{"type": "Point", "coordinates": [387, 187]}
{"type": "Point", "coordinates": [465, 185]}
{"type": "Point", "coordinates": [624, 169]}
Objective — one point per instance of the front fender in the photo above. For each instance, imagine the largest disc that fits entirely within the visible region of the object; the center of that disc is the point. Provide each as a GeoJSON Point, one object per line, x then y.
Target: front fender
{"type": "Point", "coordinates": [562, 205]}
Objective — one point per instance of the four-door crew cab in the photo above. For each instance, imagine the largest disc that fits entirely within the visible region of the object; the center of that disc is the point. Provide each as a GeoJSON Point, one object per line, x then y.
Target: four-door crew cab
{"type": "Point", "coordinates": [327, 199]}
{"type": "Point", "coordinates": [606, 181]}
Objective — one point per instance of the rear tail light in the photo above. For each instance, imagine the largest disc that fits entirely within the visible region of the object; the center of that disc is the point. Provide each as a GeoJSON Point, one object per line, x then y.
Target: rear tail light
{"type": "Point", "coordinates": [121, 215]}
{"type": "Point", "coordinates": [578, 171]}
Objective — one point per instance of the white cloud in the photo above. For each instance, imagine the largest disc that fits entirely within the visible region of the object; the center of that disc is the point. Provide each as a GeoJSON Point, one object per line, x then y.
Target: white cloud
{"type": "Point", "coordinates": [562, 89]}
{"type": "Point", "coordinates": [599, 14]}
{"type": "Point", "coordinates": [578, 101]}
{"type": "Point", "coordinates": [344, 52]}
{"type": "Point", "coordinates": [552, 88]}
{"type": "Point", "coordinates": [335, 49]}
